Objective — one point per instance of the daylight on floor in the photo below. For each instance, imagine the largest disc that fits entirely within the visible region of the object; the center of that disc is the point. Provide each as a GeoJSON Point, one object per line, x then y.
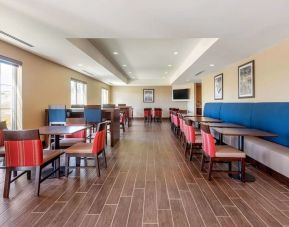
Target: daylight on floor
{"type": "Point", "coordinates": [144, 113]}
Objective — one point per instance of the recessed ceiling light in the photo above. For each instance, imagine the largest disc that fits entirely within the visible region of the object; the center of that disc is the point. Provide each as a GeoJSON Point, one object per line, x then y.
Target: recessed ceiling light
{"type": "Point", "coordinates": [129, 72]}
{"type": "Point", "coordinates": [80, 65]}
{"type": "Point", "coordinates": [124, 65]}
{"type": "Point", "coordinates": [212, 65]}
{"type": "Point", "coordinates": [115, 53]}
{"type": "Point", "coordinates": [170, 65]}
{"type": "Point", "coordinates": [176, 53]}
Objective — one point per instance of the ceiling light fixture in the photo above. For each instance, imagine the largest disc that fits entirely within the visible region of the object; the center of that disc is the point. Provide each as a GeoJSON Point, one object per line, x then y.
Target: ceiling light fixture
{"type": "Point", "coordinates": [170, 65]}
{"type": "Point", "coordinates": [129, 72]}
{"type": "Point", "coordinates": [212, 65]}
{"type": "Point", "coordinates": [80, 65]}
{"type": "Point", "coordinates": [176, 53]}
{"type": "Point", "coordinates": [124, 65]}
{"type": "Point", "coordinates": [115, 53]}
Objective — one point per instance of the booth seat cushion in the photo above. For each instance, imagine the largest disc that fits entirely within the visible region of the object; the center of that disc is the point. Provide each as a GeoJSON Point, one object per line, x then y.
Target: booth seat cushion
{"type": "Point", "coordinates": [273, 155]}
{"type": "Point", "coordinates": [212, 110]}
{"type": "Point", "coordinates": [272, 117]}
{"type": "Point", "coordinates": [237, 113]}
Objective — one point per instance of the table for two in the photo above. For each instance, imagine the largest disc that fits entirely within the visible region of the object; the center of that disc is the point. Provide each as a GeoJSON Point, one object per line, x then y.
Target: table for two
{"type": "Point", "coordinates": [229, 129]}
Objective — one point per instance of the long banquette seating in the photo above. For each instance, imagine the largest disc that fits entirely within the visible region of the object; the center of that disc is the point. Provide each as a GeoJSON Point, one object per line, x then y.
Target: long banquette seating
{"type": "Point", "coordinates": [268, 116]}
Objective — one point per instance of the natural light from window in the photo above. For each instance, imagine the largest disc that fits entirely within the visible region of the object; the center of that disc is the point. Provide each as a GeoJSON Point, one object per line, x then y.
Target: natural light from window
{"type": "Point", "coordinates": [78, 93]}
{"type": "Point", "coordinates": [104, 96]}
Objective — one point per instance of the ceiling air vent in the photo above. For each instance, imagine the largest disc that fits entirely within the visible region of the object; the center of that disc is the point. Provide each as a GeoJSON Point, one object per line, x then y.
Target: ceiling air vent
{"type": "Point", "coordinates": [199, 73]}
{"type": "Point", "coordinates": [89, 73]}
{"type": "Point", "coordinates": [16, 39]}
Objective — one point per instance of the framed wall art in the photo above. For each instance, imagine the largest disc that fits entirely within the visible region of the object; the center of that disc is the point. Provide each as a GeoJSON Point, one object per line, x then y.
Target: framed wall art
{"type": "Point", "coordinates": [148, 95]}
{"type": "Point", "coordinates": [218, 87]}
{"type": "Point", "coordinates": [246, 80]}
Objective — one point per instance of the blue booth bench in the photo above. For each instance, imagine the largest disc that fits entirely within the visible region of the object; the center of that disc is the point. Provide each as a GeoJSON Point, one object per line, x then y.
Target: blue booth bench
{"type": "Point", "coordinates": [273, 117]}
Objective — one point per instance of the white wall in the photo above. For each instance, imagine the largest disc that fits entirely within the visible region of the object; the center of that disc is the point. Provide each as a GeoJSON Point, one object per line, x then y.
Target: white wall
{"type": "Point", "coordinates": [133, 96]}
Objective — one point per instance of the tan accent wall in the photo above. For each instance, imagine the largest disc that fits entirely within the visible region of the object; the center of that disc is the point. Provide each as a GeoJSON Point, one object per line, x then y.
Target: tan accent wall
{"type": "Point", "coordinates": [44, 83]}
{"type": "Point", "coordinates": [271, 77]}
{"type": "Point", "coordinates": [133, 96]}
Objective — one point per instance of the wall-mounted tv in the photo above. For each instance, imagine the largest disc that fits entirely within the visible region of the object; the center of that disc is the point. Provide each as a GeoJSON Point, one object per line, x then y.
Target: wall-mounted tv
{"type": "Point", "coordinates": [181, 94]}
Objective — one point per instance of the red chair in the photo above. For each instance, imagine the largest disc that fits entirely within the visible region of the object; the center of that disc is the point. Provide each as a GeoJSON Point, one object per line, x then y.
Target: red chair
{"type": "Point", "coordinates": [158, 114]}
{"type": "Point", "coordinates": [84, 150]}
{"type": "Point", "coordinates": [3, 126]}
{"type": "Point", "coordinates": [148, 115]}
{"type": "Point", "coordinates": [122, 118]}
{"type": "Point", "coordinates": [24, 153]}
{"type": "Point", "coordinates": [193, 141]}
{"type": "Point", "coordinates": [77, 137]}
{"type": "Point", "coordinates": [176, 123]}
{"type": "Point", "coordinates": [220, 153]}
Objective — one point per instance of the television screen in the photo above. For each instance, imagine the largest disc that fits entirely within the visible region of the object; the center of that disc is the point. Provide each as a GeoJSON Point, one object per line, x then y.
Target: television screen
{"type": "Point", "coordinates": [181, 94]}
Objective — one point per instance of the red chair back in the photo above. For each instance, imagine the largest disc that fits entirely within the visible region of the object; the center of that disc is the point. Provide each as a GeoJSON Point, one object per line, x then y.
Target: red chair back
{"type": "Point", "coordinates": [99, 139]}
{"type": "Point", "coordinates": [23, 148]}
{"type": "Point", "coordinates": [122, 118]}
{"type": "Point", "coordinates": [176, 120]}
{"type": "Point", "coordinates": [209, 146]}
{"type": "Point", "coordinates": [3, 126]}
{"type": "Point", "coordinates": [147, 112]}
{"type": "Point", "coordinates": [158, 112]}
{"type": "Point", "coordinates": [81, 134]}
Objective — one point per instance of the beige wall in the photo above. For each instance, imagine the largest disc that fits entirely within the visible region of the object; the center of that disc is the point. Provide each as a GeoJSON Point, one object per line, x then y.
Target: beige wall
{"type": "Point", "coordinates": [271, 77]}
{"type": "Point", "coordinates": [133, 96]}
{"type": "Point", "coordinates": [44, 83]}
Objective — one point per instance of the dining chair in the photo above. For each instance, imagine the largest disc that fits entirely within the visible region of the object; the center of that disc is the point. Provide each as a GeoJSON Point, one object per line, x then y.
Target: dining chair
{"type": "Point", "coordinates": [85, 150]}
{"type": "Point", "coordinates": [148, 115]}
{"type": "Point", "coordinates": [3, 126]}
{"type": "Point", "coordinates": [158, 114]}
{"type": "Point", "coordinates": [77, 137]}
{"type": "Point", "coordinates": [193, 140]}
{"type": "Point", "coordinates": [24, 152]}
{"type": "Point", "coordinates": [92, 115]}
{"type": "Point", "coordinates": [220, 153]}
{"type": "Point", "coordinates": [176, 122]}
{"type": "Point", "coordinates": [56, 114]}
{"type": "Point", "coordinates": [122, 120]}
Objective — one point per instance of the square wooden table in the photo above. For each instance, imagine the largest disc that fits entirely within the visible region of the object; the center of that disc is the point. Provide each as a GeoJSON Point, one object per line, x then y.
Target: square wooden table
{"type": "Point", "coordinates": [241, 133]}
{"type": "Point", "coordinates": [224, 125]}
{"type": "Point", "coordinates": [61, 130]}
{"type": "Point", "coordinates": [201, 119]}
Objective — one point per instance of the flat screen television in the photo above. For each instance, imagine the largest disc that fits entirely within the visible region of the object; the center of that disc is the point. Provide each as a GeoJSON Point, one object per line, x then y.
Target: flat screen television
{"type": "Point", "coordinates": [181, 94]}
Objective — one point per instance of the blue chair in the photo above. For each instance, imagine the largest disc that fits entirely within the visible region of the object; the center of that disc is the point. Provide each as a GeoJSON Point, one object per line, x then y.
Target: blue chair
{"type": "Point", "coordinates": [56, 115]}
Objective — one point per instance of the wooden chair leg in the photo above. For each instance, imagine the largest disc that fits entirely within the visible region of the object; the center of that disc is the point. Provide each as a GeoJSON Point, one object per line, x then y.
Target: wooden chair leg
{"type": "Point", "coordinates": [191, 152]}
{"type": "Point", "coordinates": [14, 173]}
{"type": "Point", "coordinates": [29, 175]}
{"type": "Point", "coordinates": [202, 162]}
{"type": "Point", "coordinates": [57, 164]}
{"type": "Point", "coordinates": [7, 183]}
{"type": "Point", "coordinates": [210, 169]}
{"type": "Point", "coordinates": [230, 166]}
{"type": "Point", "coordinates": [66, 165]}
{"type": "Point", "coordinates": [243, 172]}
{"type": "Point", "coordinates": [37, 180]}
{"type": "Point", "coordinates": [97, 166]}
{"type": "Point", "coordinates": [104, 156]}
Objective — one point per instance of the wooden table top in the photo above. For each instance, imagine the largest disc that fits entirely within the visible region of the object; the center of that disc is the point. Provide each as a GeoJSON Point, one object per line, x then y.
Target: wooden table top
{"type": "Point", "coordinates": [204, 119]}
{"type": "Point", "coordinates": [61, 130]}
{"type": "Point", "coordinates": [224, 125]}
{"type": "Point", "coordinates": [244, 132]}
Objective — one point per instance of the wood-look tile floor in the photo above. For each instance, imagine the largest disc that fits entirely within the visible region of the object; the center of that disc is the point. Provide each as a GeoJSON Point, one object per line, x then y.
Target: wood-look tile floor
{"type": "Point", "coordinates": [148, 183]}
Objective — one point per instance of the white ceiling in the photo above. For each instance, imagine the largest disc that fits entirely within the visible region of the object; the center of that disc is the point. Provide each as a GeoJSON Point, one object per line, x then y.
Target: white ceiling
{"type": "Point", "coordinates": [145, 34]}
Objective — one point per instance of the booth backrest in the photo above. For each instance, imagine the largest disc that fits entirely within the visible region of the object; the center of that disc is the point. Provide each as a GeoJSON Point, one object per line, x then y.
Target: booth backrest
{"type": "Point", "coordinates": [237, 113]}
{"type": "Point", "coordinates": [212, 109]}
{"type": "Point", "coordinates": [272, 117]}
{"type": "Point", "coordinates": [268, 116]}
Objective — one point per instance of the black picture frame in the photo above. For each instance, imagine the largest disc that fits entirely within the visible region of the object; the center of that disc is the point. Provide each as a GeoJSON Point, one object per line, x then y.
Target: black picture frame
{"type": "Point", "coordinates": [246, 80]}
{"type": "Point", "coordinates": [148, 95]}
{"type": "Point", "coordinates": [218, 87]}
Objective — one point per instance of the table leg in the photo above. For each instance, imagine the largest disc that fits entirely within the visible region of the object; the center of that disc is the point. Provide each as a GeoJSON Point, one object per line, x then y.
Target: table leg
{"type": "Point", "coordinates": [248, 177]}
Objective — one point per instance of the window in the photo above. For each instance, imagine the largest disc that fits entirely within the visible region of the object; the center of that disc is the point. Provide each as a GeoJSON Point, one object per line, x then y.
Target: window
{"type": "Point", "coordinates": [78, 93]}
{"type": "Point", "coordinates": [104, 96]}
{"type": "Point", "coordinates": [9, 93]}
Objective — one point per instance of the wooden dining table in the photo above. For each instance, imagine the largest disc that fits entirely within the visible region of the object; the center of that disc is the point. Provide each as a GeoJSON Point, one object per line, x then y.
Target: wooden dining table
{"type": "Point", "coordinates": [241, 133]}
{"type": "Point", "coordinates": [61, 130]}
{"type": "Point", "coordinates": [224, 125]}
{"type": "Point", "coordinates": [201, 119]}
